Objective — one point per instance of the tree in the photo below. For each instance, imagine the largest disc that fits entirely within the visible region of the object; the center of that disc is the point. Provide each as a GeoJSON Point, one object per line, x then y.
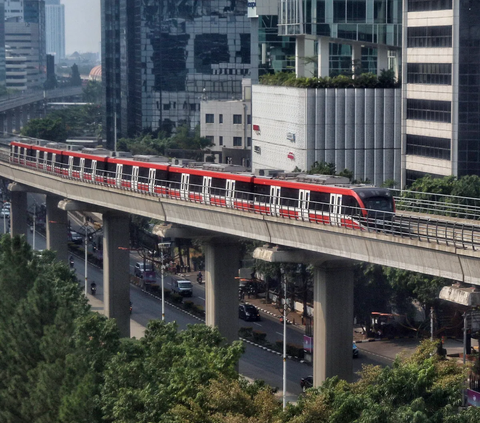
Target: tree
{"type": "Point", "coordinates": [93, 92]}
{"type": "Point", "coordinates": [423, 388]}
{"type": "Point", "coordinates": [46, 129]}
{"type": "Point", "coordinates": [147, 378]}
{"type": "Point", "coordinates": [75, 78]}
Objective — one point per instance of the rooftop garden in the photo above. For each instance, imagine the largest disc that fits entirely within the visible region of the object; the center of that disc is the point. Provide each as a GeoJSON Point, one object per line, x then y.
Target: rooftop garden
{"type": "Point", "coordinates": [386, 79]}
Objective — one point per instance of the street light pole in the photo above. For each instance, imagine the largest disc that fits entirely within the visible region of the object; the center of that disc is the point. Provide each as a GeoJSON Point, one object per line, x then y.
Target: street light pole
{"type": "Point", "coordinates": [161, 246]}
{"type": "Point", "coordinates": [86, 255]}
{"type": "Point", "coordinates": [284, 339]}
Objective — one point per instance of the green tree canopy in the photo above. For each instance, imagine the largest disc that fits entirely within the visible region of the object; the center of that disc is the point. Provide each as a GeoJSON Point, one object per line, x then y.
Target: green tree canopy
{"type": "Point", "coordinates": [49, 128]}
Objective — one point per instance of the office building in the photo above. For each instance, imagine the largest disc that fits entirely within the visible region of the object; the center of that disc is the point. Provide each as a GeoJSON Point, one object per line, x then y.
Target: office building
{"type": "Point", "coordinates": [158, 58]}
{"type": "Point", "coordinates": [25, 37]}
{"type": "Point", "coordinates": [2, 43]}
{"type": "Point", "coordinates": [55, 28]}
{"type": "Point", "coordinates": [441, 88]}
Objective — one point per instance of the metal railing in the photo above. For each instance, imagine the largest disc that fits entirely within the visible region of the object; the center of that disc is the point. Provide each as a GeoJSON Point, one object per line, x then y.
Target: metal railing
{"type": "Point", "coordinates": [452, 233]}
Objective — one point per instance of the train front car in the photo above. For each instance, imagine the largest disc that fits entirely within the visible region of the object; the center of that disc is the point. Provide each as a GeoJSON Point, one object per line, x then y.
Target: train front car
{"type": "Point", "coordinates": [377, 207]}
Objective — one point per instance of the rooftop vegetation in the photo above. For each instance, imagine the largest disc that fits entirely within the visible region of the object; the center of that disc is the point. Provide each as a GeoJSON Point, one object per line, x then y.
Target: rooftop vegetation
{"type": "Point", "coordinates": [386, 79]}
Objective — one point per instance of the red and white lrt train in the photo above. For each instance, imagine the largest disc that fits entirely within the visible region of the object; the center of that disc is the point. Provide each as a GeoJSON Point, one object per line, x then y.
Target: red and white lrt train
{"type": "Point", "coordinates": [314, 198]}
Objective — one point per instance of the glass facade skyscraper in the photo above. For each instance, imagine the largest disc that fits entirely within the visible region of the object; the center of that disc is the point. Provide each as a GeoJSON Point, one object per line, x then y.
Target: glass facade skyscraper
{"type": "Point", "coordinates": [161, 58]}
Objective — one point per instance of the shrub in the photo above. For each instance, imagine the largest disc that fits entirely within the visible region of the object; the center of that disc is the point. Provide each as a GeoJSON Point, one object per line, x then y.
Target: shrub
{"type": "Point", "coordinates": [198, 310]}
{"type": "Point", "coordinates": [176, 298]}
{"type": "Point", "coordinates": [245, 332]}
{"type": "Point", "coordinates": [188, 305]}
{"type": "Point", "coordinates": [259, 336]}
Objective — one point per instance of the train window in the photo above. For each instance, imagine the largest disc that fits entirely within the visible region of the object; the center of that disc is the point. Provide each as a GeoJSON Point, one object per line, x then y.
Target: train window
{"type": "Point", "coordinates": [262, 193]}
{"type": "Point", "coordinates": [289, 197]}
{"type": "Point", "coordinates": [378, 203]}
{"type": "Point", "coordinates": [196, 182]}
{"type": "Point", "coordinates": [242, 190]}
{"type": "Point", "coordinates": [350, 205]}
{"type": "Point", "coordinates": [218, 186]}
{"type": "Point", "coordinates": [143, 173]}
{"type": "Point", "coordinates": [88, 165]}
{"type": "Point", "coordinates": [111, 170]}
{"type": "Point", "coordinates": [319, 201]}
{"type": "Point", "coordinates": [76, 163]}
{"type": "Point", "coordinates": [127, 172]}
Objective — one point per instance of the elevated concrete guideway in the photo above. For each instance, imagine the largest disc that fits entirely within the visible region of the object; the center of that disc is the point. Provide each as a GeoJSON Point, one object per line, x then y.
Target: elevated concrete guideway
{"type": "Point", "coordinates": [332, 249]}
{"type": "Point", "coordinates": [432, 258]}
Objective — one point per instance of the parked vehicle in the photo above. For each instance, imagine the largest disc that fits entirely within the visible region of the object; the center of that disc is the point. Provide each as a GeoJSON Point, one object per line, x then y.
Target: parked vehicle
{"type": "Point", "coordinates": [141, 269]}
{"type": "Point", "coordinates": [181, 286]}
{"type": "Point", "coordinates": [248, 312]}
{"type": "Point", "coordinates": [75, 237]}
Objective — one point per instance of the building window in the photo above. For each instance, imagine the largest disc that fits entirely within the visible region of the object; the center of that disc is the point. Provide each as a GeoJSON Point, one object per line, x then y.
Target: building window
{"type": "Point", "coordinates": [237, 141]}
{"type": "Point", "coordinates": [426, 5]}
{"type": "Point", "coordinates": [429, 36]}
{"type": "Point", "coordinates": [249, 119]}
{"type": "Point", "coordinates": [436, 111]}
{"type": "Point", "coordinates": [209, 118]}
{"type": "Point", "coordinates": [220, 118]}
{"type": "Point", "coordinates": [249, 141]}
{"type": "Point", "coordinates": [193, 107]}
{"type": "Point", "coordinates": [220, 139]}
{"type": "Point", "coordinates": [237, 119]}
{"type": "Point", "coordinates": [437, 148]}
{"type": "Point", "coordinates": [429, 73]}
{"type": "Point", "coordinates": [210, 138]}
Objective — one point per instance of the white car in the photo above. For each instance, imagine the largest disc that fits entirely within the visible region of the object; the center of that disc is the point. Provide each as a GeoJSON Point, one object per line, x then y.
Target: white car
{"type": "Point", "coordinates": [5, 212]}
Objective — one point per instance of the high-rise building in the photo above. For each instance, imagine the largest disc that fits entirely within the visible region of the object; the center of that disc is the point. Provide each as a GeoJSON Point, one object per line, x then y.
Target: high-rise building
{"type": "Point", "coordinates": [25, 37]}
{"type": "Point", "coordinates": [441, 88]}
{"type": "Point", "coordinates": [2, 43]}
{"type": "Point", "coordinates": [55, 28]}
{"type": "Point", "coordinates": [160, 57]}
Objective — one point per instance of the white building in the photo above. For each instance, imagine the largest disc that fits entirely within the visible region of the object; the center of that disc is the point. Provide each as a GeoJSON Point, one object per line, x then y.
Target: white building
{"type": "Point", "coordinates": [228, 124]}
{"type": "Point", "coordinates": [55, 28]}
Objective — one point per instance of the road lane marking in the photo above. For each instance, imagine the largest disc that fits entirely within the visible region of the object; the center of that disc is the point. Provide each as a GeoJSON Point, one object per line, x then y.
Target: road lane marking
{"type": "Point", "coordinates": [202, 298]}
{"type": "Point", "coordinates": [258, 324]}
{"type": "Point", "coordinates": [279, 333]}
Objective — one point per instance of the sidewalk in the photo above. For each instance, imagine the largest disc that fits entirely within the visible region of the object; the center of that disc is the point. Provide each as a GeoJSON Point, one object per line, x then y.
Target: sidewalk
{"type": "Point", "coordinates": [293, 317]}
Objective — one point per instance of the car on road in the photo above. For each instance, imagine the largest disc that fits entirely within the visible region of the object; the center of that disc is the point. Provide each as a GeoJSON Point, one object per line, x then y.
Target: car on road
{"type": "Point", "coordinates": [181, 286]}
{"type": "Point", "coordinates": [142, 268]}
{"type": "Point", "coordinates": [248, 312]}
{"type": "Point", "coordinates": [5, 212]}
{"type": "Point", "coordinates": [76, 238]}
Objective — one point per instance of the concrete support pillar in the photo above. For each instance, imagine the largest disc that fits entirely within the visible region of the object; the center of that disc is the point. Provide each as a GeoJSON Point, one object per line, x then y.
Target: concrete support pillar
{"type": "Point", "coordinates": [56, 228]}
{"type": "Point", "coordinates": [356, 58]}
{"type": "Point", "coordinates": [333, 321]}
{"type": "Point", "coordinates": [25, 110]}
{"type": "Point", "coordinates": [18, 118]}
{"type": "Point", "coordinates": [18, 213]}
{"type": "Point", "coordinates": [116, 269]}
{"type": "Point", "coordinates": [382, 58]}
{"type": "Point", "coordinates": [300, 56]}
{"type": "Point", "coordinates": [9, 121]}
{"type": "Point", "coordinates": [221, 288]}
{"type": "Point", "coordinates": [2, 123]}
{"type": "Point", "coordinates": [323, 57]}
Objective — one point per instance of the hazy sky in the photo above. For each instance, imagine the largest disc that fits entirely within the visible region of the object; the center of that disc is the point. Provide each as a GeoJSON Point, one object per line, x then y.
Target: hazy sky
{"type": "Point", "coordinates": [82, 26]}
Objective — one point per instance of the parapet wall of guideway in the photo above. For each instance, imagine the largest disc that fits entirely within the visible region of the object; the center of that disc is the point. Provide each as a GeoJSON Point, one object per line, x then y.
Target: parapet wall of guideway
{"type": "Point", "coordinates": [437, 259]}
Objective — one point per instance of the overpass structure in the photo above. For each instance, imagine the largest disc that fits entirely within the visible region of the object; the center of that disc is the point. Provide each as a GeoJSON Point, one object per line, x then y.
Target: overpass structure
{"type": "Point", "coordinates": [434, 247]}
{"type": "Point", "coordinates": [16, 110]}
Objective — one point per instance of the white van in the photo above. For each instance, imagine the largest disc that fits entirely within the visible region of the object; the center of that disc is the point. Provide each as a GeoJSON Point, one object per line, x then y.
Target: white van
{"type": "Point", "coordinates": [181, 286]}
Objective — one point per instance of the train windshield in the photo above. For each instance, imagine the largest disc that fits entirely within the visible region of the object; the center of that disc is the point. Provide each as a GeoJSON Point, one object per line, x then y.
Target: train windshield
{"type": "Point", "coordinates": [379, 203]}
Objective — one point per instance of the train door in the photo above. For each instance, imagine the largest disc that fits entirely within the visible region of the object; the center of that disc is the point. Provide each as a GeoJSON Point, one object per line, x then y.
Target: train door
{"type": "Point", "coordinates": [135, 178]}
{"type": "Point", "coordinates": [82, 167]}
{"type": "Point", "coordinates": [184, 186]}
{"type": "Point", "coordinates": [118, 175]}
{"type": "Point", "coordinates": [206, 189]}
{"type": "Point", "coordinates": [70, 166]}
{"type": "Point", "coordinates": [54, 161]}
{"type": "Point", "coordinates": [151, 180]}
{"type": "Point", "coordinates": [304, 204]}
{"type": "Point", "coordinates": [335, 208]}
{"type": "Point", "coordinates": [275, 201]}
{"type": "Point", "coordinates": [230, 193]}
{"type": "Point", "coordinates": [37, 159]}
{"type": "Point", "coordinates": [94, 171]}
